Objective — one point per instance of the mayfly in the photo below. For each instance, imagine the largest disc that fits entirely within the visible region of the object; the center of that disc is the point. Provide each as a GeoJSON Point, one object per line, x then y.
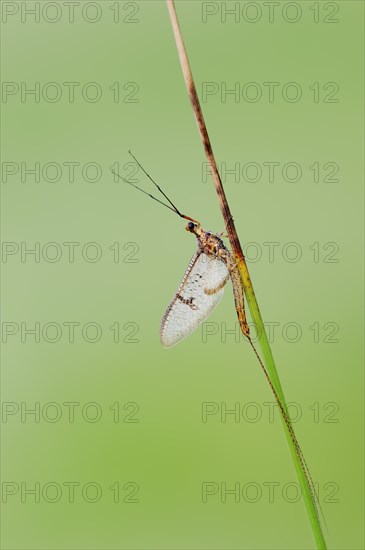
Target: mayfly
{"type": "Point", "coordinates": [201, 289]}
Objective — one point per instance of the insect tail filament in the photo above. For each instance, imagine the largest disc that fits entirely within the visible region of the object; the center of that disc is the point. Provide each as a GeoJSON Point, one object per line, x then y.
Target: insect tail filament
{"type": "Point", "coordinates": [289, 425]}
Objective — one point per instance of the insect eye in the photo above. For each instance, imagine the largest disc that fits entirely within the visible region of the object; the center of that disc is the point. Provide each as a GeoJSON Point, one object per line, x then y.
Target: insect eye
{"type": "Point", "coordinates": [191, 226]}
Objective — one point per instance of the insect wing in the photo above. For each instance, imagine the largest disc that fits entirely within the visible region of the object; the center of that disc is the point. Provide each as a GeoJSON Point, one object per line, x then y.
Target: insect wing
{"type": "Point", "coordinates": [200, 291]}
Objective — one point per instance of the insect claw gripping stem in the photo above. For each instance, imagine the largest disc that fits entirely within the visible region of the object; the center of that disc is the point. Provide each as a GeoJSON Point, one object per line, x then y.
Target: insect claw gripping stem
{"type": "Point", "coordinates": [228, 221]}
{"type": "Point", "coordinates": [236, 264]}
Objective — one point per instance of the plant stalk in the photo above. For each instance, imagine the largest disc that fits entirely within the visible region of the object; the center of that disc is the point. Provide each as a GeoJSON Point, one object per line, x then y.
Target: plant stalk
{"type": "Point", "coordinates": [245, 276]}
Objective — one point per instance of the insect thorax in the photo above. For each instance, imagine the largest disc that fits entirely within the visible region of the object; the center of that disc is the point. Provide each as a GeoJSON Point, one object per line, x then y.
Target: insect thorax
{"type": "Point", "coordinates": [212, 245]}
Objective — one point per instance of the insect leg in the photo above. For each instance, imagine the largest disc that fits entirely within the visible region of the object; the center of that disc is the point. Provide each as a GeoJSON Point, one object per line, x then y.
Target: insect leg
{"type": "Point", "coordinates": [211, 291]}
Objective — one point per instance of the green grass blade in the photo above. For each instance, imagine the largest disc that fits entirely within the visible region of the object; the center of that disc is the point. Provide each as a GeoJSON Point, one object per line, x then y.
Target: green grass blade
{"type": "Point", "coordinates": [237, 250]}
{"type": "Point", "coordinates": [270, 365]}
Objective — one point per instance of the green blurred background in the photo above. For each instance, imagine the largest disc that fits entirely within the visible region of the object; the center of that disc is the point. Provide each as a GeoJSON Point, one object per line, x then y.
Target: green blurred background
{"type": "Point", "coordinates": [157, 450]}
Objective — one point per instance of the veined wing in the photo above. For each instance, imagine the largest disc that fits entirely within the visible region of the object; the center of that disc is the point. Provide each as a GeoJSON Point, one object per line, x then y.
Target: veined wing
{"type": "Point", "coordinates": [199, 292]}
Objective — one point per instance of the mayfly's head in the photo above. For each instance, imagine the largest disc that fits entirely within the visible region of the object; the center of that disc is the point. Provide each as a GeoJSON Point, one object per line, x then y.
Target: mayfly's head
{"type": "Point", "coordinates": [194, 227]}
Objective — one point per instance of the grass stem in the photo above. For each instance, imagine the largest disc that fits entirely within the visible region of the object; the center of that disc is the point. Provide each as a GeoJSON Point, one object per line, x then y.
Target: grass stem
{"type": "Point", "coordinates": [245, 276]}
